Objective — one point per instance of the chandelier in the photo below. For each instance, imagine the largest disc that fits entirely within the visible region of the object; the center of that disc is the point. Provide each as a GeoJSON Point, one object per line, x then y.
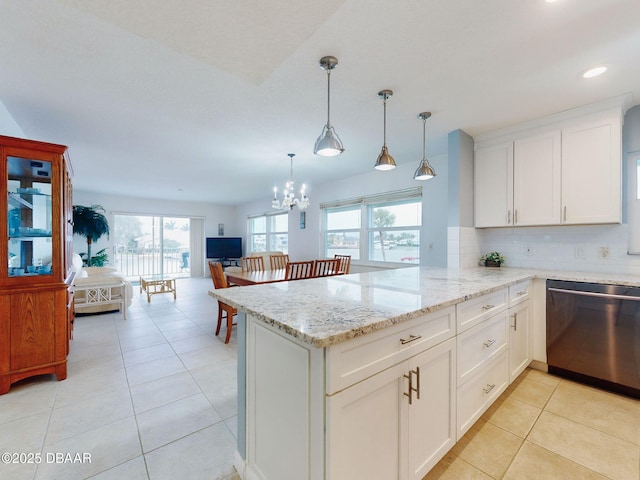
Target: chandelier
{"type": "Point", "coordinates": [289, 199]}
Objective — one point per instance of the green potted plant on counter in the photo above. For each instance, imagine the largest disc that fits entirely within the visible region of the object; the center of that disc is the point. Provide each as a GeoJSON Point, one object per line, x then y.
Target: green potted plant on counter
{"type": "Point", "coordinates": [492, 259]}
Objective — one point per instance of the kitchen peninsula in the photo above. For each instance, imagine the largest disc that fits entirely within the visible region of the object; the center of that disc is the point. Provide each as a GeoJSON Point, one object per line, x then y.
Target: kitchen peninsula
{"type": "Point", "coordinates": [373, 375]}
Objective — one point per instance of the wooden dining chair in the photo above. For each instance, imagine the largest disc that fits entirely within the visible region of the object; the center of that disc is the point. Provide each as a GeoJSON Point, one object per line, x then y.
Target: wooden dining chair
{"type": "Point", "coordinates": [344, 263]}
{"type": "Point", "coordinates": [299, 270]}
{"type": "Point", "coordinates": [326, 268]}
{"type": "Point", "coordinates": [252, 264]}
{"type": "Point", "coordinates": [220, 281]}
{"type": "Point", "coordinates": [278, 262]}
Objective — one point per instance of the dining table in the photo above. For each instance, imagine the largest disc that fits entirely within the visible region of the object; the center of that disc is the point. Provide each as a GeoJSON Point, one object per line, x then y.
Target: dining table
{"type": "Point", "coordinates": [256, 277]}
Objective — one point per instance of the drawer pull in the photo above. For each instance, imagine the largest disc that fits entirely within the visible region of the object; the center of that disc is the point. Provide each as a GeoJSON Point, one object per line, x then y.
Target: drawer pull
{"type": "Point", "coordinates": [411, 338]}
{"type": "Point", "coordinates": [488, 307]}
{"type": "Point", "coordinates": [488, 388]}
{"type": "Point", "coordinates": [489, 342]}
{"type": "Point", "coordinates": [519, 294]}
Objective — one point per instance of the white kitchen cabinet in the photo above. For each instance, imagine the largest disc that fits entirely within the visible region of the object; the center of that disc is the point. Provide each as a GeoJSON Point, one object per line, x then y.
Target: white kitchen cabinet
{"type": "Point", "coordinates": [517, 183]}
{"type": "Point", "coordinates": [380, 428]}
{"type": "Point", "coordinates": [520, 329]}
{"type": "Point", "coordinates": [493, 185]}
{"type": "Point", "coordinates": [563, 169]}
{"type": "Point", "coordinates": [591, 171]}
{"type": "Point", "coordinates": [479, 392]}
{"type": "Point", "coordinates": [536, 180]}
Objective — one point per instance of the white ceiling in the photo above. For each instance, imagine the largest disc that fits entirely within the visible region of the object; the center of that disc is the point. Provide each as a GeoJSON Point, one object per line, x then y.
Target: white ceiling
{"type": "Point", "coordinates": [201, 100]}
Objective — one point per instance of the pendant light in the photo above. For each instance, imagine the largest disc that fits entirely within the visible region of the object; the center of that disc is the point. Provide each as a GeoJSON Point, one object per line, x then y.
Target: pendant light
{"type": "Point", "coordinates": [385, 161]}
{"type": "Point", "coordinates": [424, 171]}
{"type": "Point", "coordinates": [328, 143]}
{"type": "Point", "coordinates": [289, 199]}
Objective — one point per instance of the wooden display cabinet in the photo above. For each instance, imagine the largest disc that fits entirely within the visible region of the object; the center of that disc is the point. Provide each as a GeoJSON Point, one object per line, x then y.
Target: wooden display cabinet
{"type": "Point", "coordinates": [36, 300]}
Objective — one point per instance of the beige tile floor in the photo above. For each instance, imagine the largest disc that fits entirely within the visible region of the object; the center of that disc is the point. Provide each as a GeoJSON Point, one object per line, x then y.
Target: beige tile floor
{"type": "Point", "coordinates": [154, 397]}
{"type": "Point", "coordinates": [548, 428]}
{"type": "Point", "coordinates": [150, 397]}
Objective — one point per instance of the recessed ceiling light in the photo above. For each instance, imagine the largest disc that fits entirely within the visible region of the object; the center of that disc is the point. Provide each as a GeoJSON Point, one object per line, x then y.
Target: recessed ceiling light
{"type": "Point", "coordinates": [551, 1]}
{"type": "Point", "coordinates": [594, 72]}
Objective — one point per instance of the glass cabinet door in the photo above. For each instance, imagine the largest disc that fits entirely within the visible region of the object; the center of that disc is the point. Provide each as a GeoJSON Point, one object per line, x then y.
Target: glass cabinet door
{"type": "Point", "coordinates": [29, 217]}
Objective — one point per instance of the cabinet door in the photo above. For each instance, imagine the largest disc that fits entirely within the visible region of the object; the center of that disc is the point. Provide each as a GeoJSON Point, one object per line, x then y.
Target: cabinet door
{"type": "Point", "coordinates": [431, 426]}
{"type": "Point", "coordinates": [364, 427]}
{"type": "Point", "coordinates": [493, 171]}
{"type": "Point", "coordinates": [591, 172]}
{"type": "Point", "coordinates": [520, 348]}
{"type": "Point", "coordinates": [536, 180]}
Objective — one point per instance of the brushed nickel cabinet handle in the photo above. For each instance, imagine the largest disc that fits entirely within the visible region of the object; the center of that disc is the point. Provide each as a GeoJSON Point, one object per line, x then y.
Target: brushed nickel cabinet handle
{"type": "Point", "coordinates": [489, 342]}
{"type": "Point", "coordinates": [508, 217]}
{"type": "Point", "coordinates": [515, 322]}
{"type": "Point", "coordinates": [489, 387]}
{"type": "Point", "coordinates": [488, 307]}
{"type": "Point", "coordinates": [519, 294]}
{"type": "Point", "coordinates": [412, 338]}
{"type": "Point", "coordinates": [565, 214]}
{"type": "Point", "coordinates": [515, 217]}
{"type": "Point", "coordinates": [410, 393]}
{"type": "Point", "coordinates": [417, 390]}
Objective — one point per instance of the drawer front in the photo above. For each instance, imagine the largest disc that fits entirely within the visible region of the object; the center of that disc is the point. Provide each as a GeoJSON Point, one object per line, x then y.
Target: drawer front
{"type": "Point", "coordinates": [519, 292]}
{"type": "Point", "coordinates": [354, 360]}
{"type": "Point", "coordinates": [481, 343]}
{"type": "Point", "coordinates": [474, 311]}
{"type": "Point", "coordinates": [475, 396]}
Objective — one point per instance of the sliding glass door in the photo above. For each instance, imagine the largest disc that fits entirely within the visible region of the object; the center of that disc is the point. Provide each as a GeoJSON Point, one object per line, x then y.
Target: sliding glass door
{"type": "Point", "coordinates": [147, 245]}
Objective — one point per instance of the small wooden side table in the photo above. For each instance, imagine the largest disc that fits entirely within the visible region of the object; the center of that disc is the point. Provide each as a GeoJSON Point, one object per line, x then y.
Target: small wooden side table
{"type": "Point", "coordinates": [155, 284]}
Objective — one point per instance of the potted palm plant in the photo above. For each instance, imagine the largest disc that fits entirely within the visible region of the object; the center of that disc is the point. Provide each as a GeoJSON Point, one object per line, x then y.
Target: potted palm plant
{"type": "Point", "coordinates": [91, 223]}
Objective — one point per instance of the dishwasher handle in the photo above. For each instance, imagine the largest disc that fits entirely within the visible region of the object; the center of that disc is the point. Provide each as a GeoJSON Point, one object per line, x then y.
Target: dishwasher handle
{"type": "Point", "coordinates": [595, 294]}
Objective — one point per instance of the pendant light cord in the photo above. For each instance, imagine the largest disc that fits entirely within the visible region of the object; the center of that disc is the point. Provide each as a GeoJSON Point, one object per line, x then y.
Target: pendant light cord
{"type": "Point", "coordinates": [424, 138]}
{"type": "Point", "coordinates": [384, 130]}
{"type": "Point", "coordinates": [328, 98]}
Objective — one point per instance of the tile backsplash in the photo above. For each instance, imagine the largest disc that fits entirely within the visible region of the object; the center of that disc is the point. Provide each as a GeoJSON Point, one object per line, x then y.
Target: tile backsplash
{"type": "Point", "coordinates": [592, 248]}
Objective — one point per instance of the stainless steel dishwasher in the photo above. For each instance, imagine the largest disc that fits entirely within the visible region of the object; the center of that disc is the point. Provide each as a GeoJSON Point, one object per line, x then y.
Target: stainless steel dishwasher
{"type": "Point", "coordinates": [593, 334]}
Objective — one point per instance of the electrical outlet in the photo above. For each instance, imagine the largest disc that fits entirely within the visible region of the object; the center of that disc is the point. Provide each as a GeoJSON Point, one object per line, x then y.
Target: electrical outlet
{"type": "Point", "coordinates": [603, 252]}
{"type": "Point", "coordinates": [579, 253]}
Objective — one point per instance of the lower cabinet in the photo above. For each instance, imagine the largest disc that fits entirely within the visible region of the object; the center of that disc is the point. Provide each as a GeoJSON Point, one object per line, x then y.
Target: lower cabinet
{"type": "Point", "coordinates": [385, 405]}
{"type": "Point", "coordinates": [520, 344]}
{"type": "Point", "coordinates": [396, 424]}
{"type": "Point", "coordinates": [35, 334]}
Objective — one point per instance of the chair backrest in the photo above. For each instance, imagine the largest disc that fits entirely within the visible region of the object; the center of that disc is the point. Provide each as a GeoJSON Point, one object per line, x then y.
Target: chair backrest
{"type": "Point", "coordinates": [324, 268]}
{"type": "Point", "coordinates": [278, 262]}
{"type": "Point", "coordinates": [345, 263]}
{"type": "Point", "coordinates": [298, 270]}
{"type": "Point", "coordinates": [252, 264]}
{"type": "Point", "coordinates": [217, 274]}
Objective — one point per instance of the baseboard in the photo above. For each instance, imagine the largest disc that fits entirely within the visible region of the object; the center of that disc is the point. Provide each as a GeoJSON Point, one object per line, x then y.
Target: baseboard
{"type": "Point", "coordinates": [538, 365]}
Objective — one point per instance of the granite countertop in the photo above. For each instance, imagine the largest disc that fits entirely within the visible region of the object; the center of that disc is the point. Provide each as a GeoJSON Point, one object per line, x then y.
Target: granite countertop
{"type": "Point", "coordinates": [329, 310]}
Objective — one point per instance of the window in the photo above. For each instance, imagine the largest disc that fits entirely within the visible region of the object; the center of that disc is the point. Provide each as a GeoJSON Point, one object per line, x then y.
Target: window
{"type": "Point", "coordinates": [388, 223]}
{"type": "Point", "coordinates": [269, 233]}
{"type": "Point", "coordinates": [342, 235]}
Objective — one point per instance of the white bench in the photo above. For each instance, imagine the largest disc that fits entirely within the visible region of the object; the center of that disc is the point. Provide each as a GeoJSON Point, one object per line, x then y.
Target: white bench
{"type": "Point", "coordinates": [102, 294]}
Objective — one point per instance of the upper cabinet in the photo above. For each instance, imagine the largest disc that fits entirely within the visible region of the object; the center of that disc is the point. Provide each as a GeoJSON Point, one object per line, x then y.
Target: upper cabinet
{"type": "Point", "coordinates": [517, 182]}
{"type": "Point", "coordinates": [565, 172]}
{"type": "Point", "coordinates": [592, 171]}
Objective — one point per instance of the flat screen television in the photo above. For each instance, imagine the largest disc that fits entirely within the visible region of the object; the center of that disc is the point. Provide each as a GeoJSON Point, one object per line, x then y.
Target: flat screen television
{"type": "Point", "coordinates": [224, 247]}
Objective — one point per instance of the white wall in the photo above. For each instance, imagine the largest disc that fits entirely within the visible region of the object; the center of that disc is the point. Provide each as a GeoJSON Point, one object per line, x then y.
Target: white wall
{"type": "Point", "coordinates": [304, 244]}
{"type": "Point", "coordinates": [212, 214]}
{"type": "Point", "coordinates": [8, 125]}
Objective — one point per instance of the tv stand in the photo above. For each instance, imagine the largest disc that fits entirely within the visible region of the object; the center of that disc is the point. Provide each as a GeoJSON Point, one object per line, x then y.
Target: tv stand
{"type": "Point", "coordinates": [228, 262]}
